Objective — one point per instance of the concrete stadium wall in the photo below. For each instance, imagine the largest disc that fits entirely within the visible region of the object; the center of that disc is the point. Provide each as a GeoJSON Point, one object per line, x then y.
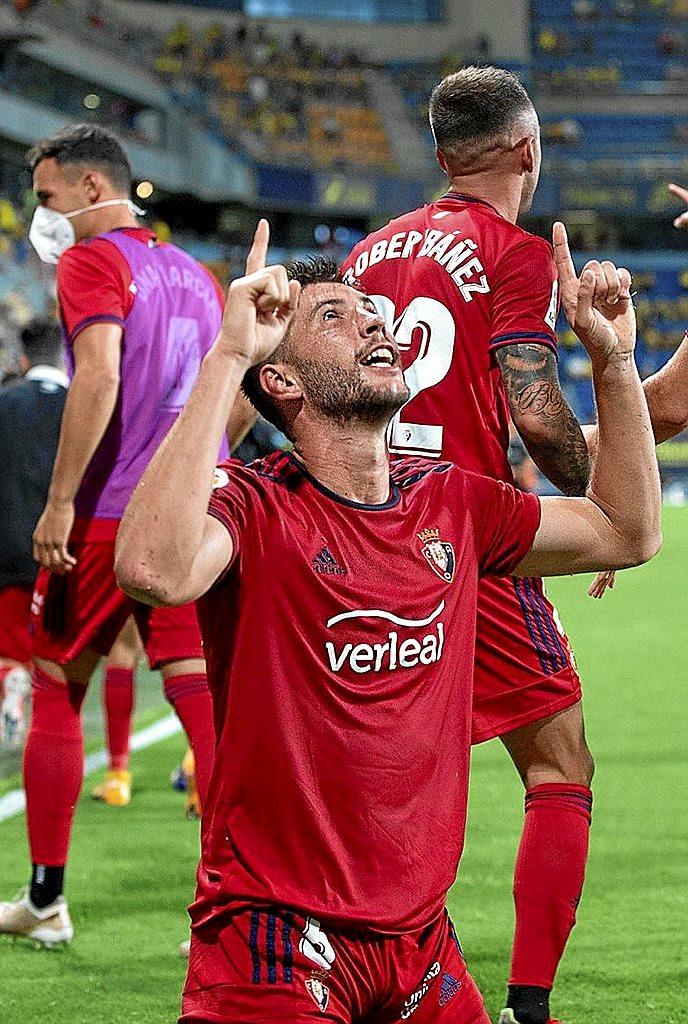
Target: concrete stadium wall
{"type": "Point", "coordinates": [505, 25]}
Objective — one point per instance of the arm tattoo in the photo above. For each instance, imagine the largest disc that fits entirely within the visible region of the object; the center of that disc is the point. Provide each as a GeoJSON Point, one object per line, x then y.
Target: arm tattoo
{"type": "Point", "coordinates": [543, 417]}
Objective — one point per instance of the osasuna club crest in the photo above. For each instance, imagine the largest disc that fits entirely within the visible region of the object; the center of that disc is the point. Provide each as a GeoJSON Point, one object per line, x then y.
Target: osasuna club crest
{"type": "Point", "coordinates": [439, 554]}
{"type": "Point", "coordinates": [319, 992]}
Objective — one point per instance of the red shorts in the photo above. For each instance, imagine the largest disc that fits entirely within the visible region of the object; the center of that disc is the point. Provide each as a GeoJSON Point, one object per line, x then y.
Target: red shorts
{"type": "Point", "coordinates": [524, 666]}
{"type": "Point", "coordinates": [86, 608]}
{"type": "Point", "coordinates": [270, 966]}
{"type": "Point", "coordinates": [15, 621]}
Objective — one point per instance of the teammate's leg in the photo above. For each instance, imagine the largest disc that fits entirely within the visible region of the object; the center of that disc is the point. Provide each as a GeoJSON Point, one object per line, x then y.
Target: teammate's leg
{"type": "Point", "coordinates": [186, 688]}
{"type": "Point", "coordinates": [172, 639]}
{"type": "Point", "coordinates": [556, 766]}
{"type": "Point", "coordinates": [118, 703]}
{"type": "Point", "coordinates": [53, 775]}
{"type": "Point", "coordinates": [118, 693]}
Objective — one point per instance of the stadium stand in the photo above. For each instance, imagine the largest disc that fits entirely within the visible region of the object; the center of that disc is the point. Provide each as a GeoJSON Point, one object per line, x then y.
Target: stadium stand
{"type": "Point", "coordinates": [289, 105]}
{"type": "Point", "coordinates": [611, 45]}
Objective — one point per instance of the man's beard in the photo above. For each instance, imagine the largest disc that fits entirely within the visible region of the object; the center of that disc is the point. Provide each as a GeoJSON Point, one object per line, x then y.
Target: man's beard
{"type": "Point", "coordinates": [342, 395]}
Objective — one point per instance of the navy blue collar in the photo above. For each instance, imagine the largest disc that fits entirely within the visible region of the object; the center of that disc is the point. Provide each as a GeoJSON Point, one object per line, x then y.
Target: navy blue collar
{"type": "Point", "coordinates": [468, 199]}
{"type": "Point", "coordinates": [390, 503]}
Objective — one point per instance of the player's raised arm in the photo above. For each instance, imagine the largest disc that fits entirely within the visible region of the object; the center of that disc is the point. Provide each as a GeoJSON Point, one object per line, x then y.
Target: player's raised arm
{"type": "Point", "coordinates": [524, 311]}
{"type": "Point", "coordinates": [666, 390]}
{"type": "Point", "coordinates": [618, 523]}
{"type": "Point", "coordinates": [169, 550]}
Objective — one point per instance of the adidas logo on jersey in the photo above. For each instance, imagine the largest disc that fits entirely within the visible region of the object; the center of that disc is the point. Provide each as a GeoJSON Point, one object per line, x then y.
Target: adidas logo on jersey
{"type": "Point", "coordinates": [450, 986]}
{"type": "Point", "coordinates": [325, 562]}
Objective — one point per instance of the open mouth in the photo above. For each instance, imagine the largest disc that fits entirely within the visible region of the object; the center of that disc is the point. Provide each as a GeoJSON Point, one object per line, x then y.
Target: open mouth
{"type": "Point", "coordinates": [382, 355]}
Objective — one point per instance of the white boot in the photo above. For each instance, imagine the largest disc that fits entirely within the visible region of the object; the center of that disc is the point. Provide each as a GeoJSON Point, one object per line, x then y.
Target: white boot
{"type": "Point", "coordinates": [51, 926]}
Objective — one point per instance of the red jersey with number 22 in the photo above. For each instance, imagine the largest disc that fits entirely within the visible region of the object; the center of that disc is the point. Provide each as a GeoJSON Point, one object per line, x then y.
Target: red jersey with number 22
{"type": "Point", "coordinates": [455, 281]}
{"type": "Point", "coordinates": [339, 647]}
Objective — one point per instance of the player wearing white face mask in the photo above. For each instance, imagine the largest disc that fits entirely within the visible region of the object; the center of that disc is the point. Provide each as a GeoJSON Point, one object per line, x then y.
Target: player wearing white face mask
{"type": "Point", "coordinates": [52, 233]}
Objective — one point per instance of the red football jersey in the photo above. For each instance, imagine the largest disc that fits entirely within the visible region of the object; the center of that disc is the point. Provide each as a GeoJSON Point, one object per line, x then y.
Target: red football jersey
{"type": "Point", "coordinates": [340, 645]}
{"type": "Point", "coordinates": [454, 281]}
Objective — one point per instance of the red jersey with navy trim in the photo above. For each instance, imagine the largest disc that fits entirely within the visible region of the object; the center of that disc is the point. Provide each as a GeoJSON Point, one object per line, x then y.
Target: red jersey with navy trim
{"type": "Point", "coordinates": [340, 647]}
{"type": "Point", "coordinates": [455, 281]}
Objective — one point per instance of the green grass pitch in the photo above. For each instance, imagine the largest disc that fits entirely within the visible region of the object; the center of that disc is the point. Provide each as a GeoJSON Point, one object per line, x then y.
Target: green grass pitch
{"type": "Point", "coordinates": [131, 871]}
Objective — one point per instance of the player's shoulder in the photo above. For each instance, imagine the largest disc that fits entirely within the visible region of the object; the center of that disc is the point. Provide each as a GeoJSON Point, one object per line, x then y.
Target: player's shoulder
{"type": "Point", "coordinates": [89, 254]}
{"type": "Point", "coordinates": [514, 237]}
{"type": "Point", "coordinates": [409, 472]}
{"type": "Point", "coordinates": [262, 477]}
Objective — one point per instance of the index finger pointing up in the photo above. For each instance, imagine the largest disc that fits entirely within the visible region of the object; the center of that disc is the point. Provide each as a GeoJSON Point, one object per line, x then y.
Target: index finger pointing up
{"type": "Point", "coordinates": [562, 253]}
{"type": "Point", "coordinates": [259, 249]}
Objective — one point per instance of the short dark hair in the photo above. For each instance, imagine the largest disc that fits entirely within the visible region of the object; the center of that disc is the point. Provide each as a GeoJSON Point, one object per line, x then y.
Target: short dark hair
{"type": "Point", "coordinates": [475, 105]}
{"type": "Point", "coordinates": [41, 341]}
{"type": "Point", "coordinates": [314, 270]}
{"type": "Point", "coordinates": [86, 144]}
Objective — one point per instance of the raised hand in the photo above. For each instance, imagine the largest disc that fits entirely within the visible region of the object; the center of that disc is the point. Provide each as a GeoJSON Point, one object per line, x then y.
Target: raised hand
{"type": "Point", "coordinates": [259, 305]}
{"type": "Point", "coordinates": [598, 304]}
{"type": "Point", "coordinates": [681, 193]}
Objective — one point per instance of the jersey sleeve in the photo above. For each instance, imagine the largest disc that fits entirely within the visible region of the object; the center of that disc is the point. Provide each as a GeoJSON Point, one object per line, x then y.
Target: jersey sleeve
{"type": "Point", "coordinates": [93, 287]}
{"type": "Point", "coordinates": [229, 502]}
{"type": "Point", "coordinates": [525, 299]}
{"type": "Point", "coordinates": [506, 521]}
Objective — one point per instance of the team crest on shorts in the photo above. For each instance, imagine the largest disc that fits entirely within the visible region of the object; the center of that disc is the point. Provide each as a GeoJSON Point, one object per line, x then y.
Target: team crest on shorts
{"type": "Point", "coordinates": [318, 991]}
{"type": "Point", "coordinates": [439, 554]}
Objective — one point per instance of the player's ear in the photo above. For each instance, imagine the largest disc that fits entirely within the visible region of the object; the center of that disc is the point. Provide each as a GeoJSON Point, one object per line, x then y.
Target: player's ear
{"type": "Point", "coordinates": [527, 147]}
{"type": "Point", "coordinates": [442, 160]}
{"type": "Point", "coordinates": [279, 382]}
{"type": "Point", "coordinates": [94, 184]}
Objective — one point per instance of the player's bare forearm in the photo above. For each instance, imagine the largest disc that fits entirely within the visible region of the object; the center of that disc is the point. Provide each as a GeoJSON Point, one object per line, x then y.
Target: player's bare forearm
{"type": "Point", "coordinates": [625, 481]}
{"type": "Point", "coordinates": [161, 544]}
{"type": "Point", "coordinates": [542, 416]}
{"type": "Point", "coordinates": [90, 403]}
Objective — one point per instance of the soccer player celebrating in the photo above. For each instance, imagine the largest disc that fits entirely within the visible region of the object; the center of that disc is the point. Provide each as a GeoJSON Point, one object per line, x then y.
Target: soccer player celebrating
{"type": "Point", "coordinates": [472, 300]}
{"type": "Point", "coordinates": [337, 602]}
{"type": "Point", "coordinates": [137, 318]}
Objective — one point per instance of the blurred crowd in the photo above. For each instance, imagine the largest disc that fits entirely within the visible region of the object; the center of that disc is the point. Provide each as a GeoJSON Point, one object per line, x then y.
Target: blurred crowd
{"type": "Point", "coordinates": [281, 98]}
{"type": "Point", "coordinates": [611, 45]}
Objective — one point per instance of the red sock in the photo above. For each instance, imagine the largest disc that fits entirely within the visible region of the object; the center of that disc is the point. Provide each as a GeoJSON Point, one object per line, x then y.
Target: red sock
{"type": "Point", "coordinates": [53, 766]}
{"type": "Point", "coordinates": [548, 880]}
{"type": "Point", "coordinates": [118, 702]}
{"type": "Point", "coordinates": [190, 697]}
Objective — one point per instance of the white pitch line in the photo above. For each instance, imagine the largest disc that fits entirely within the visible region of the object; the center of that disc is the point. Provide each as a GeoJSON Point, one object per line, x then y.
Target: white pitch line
{"type": "Point", "coordinates": [14, 802]}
